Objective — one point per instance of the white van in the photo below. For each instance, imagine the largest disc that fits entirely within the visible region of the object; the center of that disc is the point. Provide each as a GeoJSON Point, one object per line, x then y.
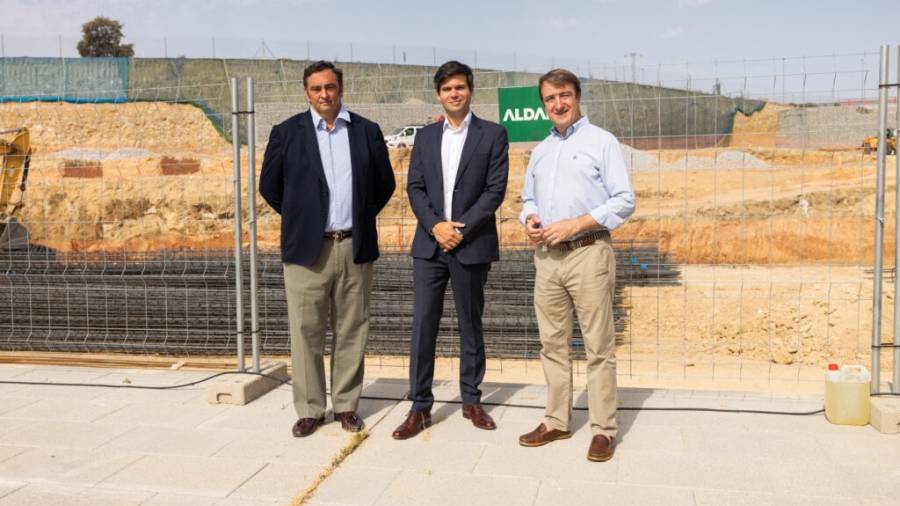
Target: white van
{"type": "Point", "coordinates": [403, 137]}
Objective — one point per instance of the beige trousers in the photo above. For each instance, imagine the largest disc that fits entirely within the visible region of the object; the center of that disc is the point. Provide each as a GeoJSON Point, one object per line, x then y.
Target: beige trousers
{"type": "Point", "coordinates": [582, 282]}
{"type": "Point", "coordinates": [333, 288]}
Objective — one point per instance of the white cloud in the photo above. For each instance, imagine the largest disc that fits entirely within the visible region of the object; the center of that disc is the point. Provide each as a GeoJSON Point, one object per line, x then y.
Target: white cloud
{"type": "Point", "coordinates": [672, 32]}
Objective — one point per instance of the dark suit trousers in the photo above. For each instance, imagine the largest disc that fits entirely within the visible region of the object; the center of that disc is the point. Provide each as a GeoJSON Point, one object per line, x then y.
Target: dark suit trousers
{"type": "Point", "coordinates": [429, 283]}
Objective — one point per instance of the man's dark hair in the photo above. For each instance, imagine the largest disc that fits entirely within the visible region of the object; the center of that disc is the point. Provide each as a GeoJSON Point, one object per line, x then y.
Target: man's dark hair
{"type": "Point", "coordinates": [450, 69]}
{"type": "Point", "coordinates": [559, 77]}
{"type": "Point", "coordinates": [320, 66]}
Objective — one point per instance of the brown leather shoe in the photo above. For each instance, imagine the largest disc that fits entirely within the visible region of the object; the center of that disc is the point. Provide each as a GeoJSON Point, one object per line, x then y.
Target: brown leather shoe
{"type": "Point", "coordinates": [602, 448]}
{"type": "Point", "coordinates": [306, 426]}
{"type": "Point", "coordinates": [479, 416]}
{"type": "Point", "coordinates": [416, 422]}
{"type": "Point", "coordinates": [350, 421]}
{"type": "Point", "coordinates": [542, 436]}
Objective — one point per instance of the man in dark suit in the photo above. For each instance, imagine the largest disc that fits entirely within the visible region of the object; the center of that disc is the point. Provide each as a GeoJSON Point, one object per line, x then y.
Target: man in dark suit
{"type": "Point", "coordinates": [327, 173]}
{"type": "Point", "coordinates": [457, 180]}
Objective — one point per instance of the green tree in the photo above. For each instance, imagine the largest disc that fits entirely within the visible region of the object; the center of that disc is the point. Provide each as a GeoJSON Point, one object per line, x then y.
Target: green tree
{"type": "Point", "coordinates": [103, 37]}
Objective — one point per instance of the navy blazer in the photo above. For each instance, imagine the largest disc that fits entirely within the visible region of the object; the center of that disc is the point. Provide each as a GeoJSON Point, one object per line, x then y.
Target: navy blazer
{"type": "Point", "coordinates": [293, 183]}
{"type": "Point", "coordinates": [478, 192]}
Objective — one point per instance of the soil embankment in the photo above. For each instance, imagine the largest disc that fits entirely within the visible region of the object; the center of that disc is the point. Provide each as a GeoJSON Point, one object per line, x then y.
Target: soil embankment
{"type": "Point", "coordinates": [773, 239]}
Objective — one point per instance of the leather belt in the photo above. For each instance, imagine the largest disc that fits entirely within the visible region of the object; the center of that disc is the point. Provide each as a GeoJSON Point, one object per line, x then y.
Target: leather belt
{"type": "Point", "coordinates": [585, 240]}
{"type": "Point", "coordinates": [338, 235]}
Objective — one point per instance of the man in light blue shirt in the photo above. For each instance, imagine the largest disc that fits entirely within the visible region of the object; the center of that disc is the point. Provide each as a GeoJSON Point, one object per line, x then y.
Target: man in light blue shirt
{"type": "Point", "coordinates": [327, 172]}
{"type": "Point", "coordinates": [334, 149]}
{"type": "Point", "coordinates": [576, 190]}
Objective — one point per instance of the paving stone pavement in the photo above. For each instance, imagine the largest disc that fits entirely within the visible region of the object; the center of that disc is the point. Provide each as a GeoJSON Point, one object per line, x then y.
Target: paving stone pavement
{"type": "Point", "coordinates": [103, 446]}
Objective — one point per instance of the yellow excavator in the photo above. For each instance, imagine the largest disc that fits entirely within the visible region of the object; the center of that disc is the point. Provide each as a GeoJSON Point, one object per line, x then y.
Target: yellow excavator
{"type": "Point", "coordinates": [15, 148]}
{"type": "Point", "coordinates": [870, 144]}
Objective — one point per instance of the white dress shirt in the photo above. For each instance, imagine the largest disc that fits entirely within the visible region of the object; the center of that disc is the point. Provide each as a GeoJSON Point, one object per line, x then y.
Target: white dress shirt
{"type": "Point", "coordinates": [452, 142]}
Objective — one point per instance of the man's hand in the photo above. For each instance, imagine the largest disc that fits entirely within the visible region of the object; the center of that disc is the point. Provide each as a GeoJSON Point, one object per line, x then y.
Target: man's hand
{"type": "Point", "coordinates": [533, 229]}
{"type": "Point", "coordinates": [562, 230]}
{"type": "Point", "coordinates": [447, 235]}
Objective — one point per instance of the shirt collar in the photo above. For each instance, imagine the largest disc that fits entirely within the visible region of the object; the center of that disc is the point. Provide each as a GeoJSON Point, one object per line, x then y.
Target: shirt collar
{"type": "Point", "coordinates": [571, 130]}
{"type": "Point", "coordinates": [319, 121]}
{"type": "Point", "coordinates": [465, 123]}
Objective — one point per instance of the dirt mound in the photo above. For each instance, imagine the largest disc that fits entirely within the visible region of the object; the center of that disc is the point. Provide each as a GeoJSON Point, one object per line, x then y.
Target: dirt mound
{"type": "Point", "coordinates": [91, 161]}
{"type": "Point", "coordinates": [153, 126]}
{"type": "Point", "coordinates": [757, 130]}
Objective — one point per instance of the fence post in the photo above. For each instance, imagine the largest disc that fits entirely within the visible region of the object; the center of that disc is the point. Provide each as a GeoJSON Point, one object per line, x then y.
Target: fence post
{"type": "Point", "coordinates": [238, 235]}
{"type": "Point", "coordinates": [251, 209]}
{"type": "Point", "coordinates": [879, 221]}
{"type": "Point", "coordinates": [895, 380]}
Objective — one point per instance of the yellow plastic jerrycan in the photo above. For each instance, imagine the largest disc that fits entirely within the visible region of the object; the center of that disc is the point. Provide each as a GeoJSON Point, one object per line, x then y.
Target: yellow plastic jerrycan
{"type": "Point", "coordinates": [847, 395]}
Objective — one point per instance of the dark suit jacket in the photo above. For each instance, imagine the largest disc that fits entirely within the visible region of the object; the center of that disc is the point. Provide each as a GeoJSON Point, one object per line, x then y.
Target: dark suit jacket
{"type": "Point", "coordinates": [293, 183]}
{"type": "Point", "coordinates": [478, 192]}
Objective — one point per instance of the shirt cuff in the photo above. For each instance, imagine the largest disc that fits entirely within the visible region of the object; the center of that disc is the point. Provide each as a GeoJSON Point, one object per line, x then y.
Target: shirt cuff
{"type": "Point", "coordinates": [607, 219]}
{"type": "Point", "coordinates": [527, 209]}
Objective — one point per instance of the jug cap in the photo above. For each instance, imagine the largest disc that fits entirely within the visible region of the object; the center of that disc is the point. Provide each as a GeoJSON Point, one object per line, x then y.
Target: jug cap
{"type": "Point", "coordinates": [832, 367]}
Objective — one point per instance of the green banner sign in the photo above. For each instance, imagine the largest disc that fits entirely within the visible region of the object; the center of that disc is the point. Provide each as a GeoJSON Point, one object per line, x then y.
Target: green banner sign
{"type": "Point", "coordinates": [522, 114]}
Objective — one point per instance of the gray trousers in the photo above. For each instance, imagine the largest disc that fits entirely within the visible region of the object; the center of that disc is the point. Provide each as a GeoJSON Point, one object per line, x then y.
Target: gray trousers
{"type": "Point", "coordinates": [335, 289]}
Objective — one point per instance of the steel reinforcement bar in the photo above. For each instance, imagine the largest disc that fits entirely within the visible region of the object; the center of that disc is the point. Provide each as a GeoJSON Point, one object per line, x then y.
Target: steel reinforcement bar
{"type": "Point", "coordinates": [183, 302]}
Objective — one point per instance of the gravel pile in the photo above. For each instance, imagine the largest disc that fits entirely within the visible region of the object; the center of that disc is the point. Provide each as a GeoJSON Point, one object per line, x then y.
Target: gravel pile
{"type": "Point", "coordinates": [642, 161]}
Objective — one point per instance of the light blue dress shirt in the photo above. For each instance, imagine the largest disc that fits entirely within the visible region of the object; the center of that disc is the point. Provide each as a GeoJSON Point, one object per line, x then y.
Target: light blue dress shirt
{"type": "Point", "coordinates": [334, 149]}
{"type": "Point", "coordinates": [580, 172]}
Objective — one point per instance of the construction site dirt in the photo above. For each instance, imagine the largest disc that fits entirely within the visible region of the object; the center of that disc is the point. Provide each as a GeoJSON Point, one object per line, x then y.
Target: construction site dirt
{"type": "Point", "coordinates": [772, 244]}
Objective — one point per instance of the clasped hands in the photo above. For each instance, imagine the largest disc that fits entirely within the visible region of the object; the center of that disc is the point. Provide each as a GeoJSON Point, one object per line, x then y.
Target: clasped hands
{"type": "Point", "coordinates": [555, 233]}
{"type": "Point", "coordinates": [447, 234]}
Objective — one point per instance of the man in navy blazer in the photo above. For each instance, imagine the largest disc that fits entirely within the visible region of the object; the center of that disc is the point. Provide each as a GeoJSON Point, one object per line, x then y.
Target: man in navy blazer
{"type": "Point", "coordinates": [457, 180]}
{"type": "Point", "coordinates": [327, 173]}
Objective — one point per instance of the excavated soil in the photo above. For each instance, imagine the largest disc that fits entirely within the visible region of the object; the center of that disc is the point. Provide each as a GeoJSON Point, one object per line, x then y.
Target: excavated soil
{"type": "Point", "coordinates": [772, 242]}
{"type": "Point", "coordinates": [757, 130]}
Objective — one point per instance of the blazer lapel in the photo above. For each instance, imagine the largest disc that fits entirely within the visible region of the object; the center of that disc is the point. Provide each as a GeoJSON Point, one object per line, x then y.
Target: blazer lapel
{"type": "Point", "coordinates": [311, 142]}
{"type": "Point", "coordinates": [473, 137]}
{"type": "Point", "coordinates": [438, 172]}
{"type": "Point", "coordinates": [357, 141]}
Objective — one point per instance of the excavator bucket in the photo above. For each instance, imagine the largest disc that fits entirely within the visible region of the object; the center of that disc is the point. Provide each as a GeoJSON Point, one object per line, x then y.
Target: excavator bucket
{"type": "Point", "coordinates": [15, 149]}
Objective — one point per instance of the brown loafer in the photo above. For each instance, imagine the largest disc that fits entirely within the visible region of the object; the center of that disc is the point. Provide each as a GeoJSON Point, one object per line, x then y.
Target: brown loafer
{"type": "Point", "coordinates": [479, 416]}
{"type": "Point", "coordinates": [416, 422]}
{"type": "Point", "coordinates": [306, 426]}
{"type": "Point", "coordinates": [542, 436]}
{"type": "Point", "coordinates": [350, 421]}
{"type": "Point", "coordinates": [602, 448]}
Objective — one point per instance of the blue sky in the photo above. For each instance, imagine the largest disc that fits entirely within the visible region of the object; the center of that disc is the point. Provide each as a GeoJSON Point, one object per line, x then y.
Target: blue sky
{"type": "Point", "coordinates": [594, 36]}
